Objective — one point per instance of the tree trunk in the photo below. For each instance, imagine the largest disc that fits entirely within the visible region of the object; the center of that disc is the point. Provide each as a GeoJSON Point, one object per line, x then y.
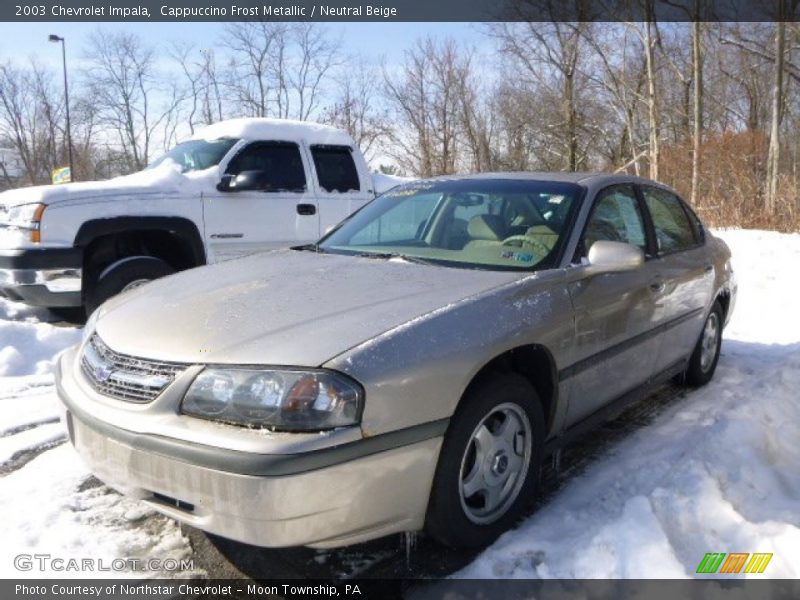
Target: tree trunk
{"type": "Point", "coordinates": [774, 153]}
{"type": "Point", "coordinates": [697, 76]}
{"type": "Point", "coordinates": [652, 115]}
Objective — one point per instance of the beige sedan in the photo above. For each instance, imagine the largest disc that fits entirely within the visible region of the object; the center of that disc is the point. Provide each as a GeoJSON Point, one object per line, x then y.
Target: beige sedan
{"type": "Point", "coordinates": [410, 371]}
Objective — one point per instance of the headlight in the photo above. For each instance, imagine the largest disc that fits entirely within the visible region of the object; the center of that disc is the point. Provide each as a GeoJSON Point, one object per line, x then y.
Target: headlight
{"type": "Point", "coordinates": [25, 216]}
{"type": "Point", "coordinates": [281, 399]}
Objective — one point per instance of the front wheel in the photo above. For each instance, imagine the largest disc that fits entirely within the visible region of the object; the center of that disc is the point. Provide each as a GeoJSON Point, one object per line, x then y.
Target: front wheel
{"type": "Point", "coordinates": [124, 275]}
{"type": "Point", "coordinates": [703, 361]}
{"type": "Point", "coordinates": [489, 462]}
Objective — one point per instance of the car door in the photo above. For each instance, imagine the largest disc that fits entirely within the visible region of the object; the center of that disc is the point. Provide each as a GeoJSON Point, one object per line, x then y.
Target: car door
{"type": "Point", "coordinates": [339, 183]}
{"type": "Point", "coordinates": [615, 313]}
{"type": "Point", "coordinates": [271, 206]}
{"type": "Point", "coordinates": [685, 272]}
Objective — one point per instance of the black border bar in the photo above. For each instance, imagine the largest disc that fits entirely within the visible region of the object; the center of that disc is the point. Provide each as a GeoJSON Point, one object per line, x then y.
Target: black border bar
{"type": "Point", "coordinates": [398, 10]}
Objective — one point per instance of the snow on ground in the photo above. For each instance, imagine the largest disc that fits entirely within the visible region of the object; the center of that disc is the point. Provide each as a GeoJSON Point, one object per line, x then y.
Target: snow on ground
{"type": "Point", "coordinates": [50, 503]}
{"type": "Point", "coordinates": [719, 471]}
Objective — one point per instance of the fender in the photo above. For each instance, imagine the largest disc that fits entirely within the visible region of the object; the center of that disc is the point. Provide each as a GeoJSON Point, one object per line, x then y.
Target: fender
{"type": "Point", "coordinates": [184, 229]}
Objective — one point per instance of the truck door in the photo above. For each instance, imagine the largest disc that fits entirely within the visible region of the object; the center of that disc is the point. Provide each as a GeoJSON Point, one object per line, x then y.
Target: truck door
{"type": "Point", "coordinates": [267, 202]}
{"type": "Point", "coordinates": [343, 182]}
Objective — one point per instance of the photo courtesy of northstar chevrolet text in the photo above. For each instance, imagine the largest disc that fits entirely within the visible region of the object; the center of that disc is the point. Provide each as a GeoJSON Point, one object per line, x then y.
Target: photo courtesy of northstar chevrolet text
{"type": "Point", "coordinates": [359, 300]}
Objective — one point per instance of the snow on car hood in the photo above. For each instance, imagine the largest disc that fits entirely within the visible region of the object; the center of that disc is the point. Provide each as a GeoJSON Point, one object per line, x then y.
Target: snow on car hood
{"type": "Point", "coordinates": [164, 179]}
{"type": "Point", "coordinates": [282, 308]}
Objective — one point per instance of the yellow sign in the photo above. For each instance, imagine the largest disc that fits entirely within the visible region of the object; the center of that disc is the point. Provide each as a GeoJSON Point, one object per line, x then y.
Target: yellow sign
{"type": "Point", "coordinates": [61, 175]}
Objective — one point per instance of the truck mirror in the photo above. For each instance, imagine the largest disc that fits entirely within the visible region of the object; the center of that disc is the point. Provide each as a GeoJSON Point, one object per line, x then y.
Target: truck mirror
{"type": "Point", "coordinates": [248, 180]}
{"type": "Point", "coordinates": [224, 184]}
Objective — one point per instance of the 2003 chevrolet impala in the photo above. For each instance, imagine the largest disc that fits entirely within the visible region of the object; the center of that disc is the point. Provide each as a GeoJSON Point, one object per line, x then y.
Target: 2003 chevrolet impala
{"type": "Point", "coordinates": [410, 370]}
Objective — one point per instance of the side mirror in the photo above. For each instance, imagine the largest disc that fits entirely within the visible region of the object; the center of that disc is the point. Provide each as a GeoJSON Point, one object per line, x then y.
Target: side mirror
{"type": "Point", "coordinates": [612, 257]}
{"type": "Point", "coordinates": [244, 181]}
{"type": "Point", "coordinates": [224, 184]}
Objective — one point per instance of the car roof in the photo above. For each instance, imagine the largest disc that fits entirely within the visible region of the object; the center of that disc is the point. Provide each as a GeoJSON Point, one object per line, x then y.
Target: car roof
{"type": "Point", "coordinates": [583, 178]}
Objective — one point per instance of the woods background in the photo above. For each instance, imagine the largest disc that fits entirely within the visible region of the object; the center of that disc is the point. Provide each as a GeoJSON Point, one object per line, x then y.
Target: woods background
{"type": "Point", "coordinates": [712, 109]}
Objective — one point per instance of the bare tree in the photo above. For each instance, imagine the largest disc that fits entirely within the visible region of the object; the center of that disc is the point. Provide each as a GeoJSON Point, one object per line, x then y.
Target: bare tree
{"type": "Point", "coordinates": [356, 110]}
{"type": "Point", "coordinates": [278, 69]}
{"type": "Point", "coordinates": [30, 119]}
{"type": "Point", "coordinates": [202, 91]}
{"type": "Point", "coordinates": [424, 96]}
{"type": "Point", "coordinates": [317, 54]}
{"type": "Point", "coordinates": [545, 54]}
{"type": "Point", "coordinates": [135, 104]}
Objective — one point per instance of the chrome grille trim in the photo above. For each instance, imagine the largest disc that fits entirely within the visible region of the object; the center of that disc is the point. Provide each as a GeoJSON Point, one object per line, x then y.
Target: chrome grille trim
{"type": "Point", "coordinates": [123, 377]}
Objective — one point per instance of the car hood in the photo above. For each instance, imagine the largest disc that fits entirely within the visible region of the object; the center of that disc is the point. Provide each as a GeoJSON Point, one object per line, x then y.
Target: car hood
{"type": "Point", "coordinates": [165, 179]}
{"type": "Point", "coordinates": [283, 308]}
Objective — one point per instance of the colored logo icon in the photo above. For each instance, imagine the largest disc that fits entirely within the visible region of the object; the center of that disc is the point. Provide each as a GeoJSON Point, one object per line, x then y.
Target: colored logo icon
{"type": "Point", "coordinates": [733, 563]}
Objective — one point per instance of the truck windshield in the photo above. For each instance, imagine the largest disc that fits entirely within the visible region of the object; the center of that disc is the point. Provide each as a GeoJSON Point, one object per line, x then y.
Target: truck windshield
{"type": "Point", "coordinates": [494, 224]}
{"type": "Point", "coordinates": [196, 155]}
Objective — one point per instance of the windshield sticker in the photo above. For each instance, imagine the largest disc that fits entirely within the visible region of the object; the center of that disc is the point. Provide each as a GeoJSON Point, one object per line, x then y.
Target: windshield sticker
{"type": "Point", "coordinates": [518, 256]}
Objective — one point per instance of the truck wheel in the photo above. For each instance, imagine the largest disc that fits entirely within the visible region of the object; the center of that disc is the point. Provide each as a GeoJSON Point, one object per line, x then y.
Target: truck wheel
{"type": "Point", "coordinates": [124, 275]}
{"type": "Point", "coordinates": [489, 462]}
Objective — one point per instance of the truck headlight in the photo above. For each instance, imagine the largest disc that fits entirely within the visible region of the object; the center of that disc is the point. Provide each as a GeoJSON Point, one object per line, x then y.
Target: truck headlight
{"type": "Point", "coordinates": [280, 399]}
{"type": "Point", "coordinates": [27, 217]}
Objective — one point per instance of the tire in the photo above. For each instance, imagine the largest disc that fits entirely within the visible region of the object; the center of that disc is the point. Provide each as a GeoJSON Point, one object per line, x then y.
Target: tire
{"type": "Point", "coordinates": [125, 274]}
{"type": "Point", "coordinates": [459, 519]}
{"type": "Point", "coordinates": [705, 356]}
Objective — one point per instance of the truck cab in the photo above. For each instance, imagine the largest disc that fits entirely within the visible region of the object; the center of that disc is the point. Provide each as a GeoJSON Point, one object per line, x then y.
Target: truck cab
{"type": "Point", "coordinates": [233, 188]}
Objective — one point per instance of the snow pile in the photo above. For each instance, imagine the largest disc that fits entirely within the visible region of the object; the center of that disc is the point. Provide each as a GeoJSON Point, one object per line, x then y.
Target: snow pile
{"type": "Point", "coordinates": [719, 471]}
{"type": "Point", "coordinates": [274, 129]}
{"type": "Point", "coordinates": [163, 179]}
{"type": "Point", "coordinates": [50, 502]}
{"type": "Point", "coordinates": [55, 512]}
{"type": "Point", "coordinates": [29, 347]}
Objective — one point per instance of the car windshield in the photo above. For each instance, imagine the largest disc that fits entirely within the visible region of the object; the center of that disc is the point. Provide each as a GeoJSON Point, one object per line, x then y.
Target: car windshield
{"type": "Point", "coordinates": [497, 224]}
{"type": "Point", "coordinates": [196, 155]}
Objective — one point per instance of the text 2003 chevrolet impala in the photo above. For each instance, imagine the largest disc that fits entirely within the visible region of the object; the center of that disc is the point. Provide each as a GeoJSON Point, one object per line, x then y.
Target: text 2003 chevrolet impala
{"type": "Point", "coordinates": [410, 370]}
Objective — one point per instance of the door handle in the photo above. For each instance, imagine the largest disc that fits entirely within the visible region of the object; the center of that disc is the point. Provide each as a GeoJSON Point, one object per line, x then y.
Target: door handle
{"type": "Point", "coordinates": [306, 209]}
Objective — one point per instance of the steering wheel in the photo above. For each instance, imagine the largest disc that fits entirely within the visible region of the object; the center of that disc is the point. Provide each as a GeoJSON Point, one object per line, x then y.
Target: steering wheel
{"type": "Point", "coordinates": [526, 240]}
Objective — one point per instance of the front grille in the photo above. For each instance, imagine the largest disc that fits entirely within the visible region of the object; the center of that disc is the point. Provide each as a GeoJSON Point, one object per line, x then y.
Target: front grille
{"type": "Point", "coordinates": [125, 377]}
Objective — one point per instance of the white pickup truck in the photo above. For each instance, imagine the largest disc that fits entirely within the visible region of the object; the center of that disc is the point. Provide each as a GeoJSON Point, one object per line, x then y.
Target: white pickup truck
{"type": "Point", "coordinates": [233, 188]}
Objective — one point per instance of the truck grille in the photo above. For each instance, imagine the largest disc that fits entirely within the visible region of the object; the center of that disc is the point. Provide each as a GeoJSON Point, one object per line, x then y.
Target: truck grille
{"type": "Point", "coordinates": [125, 377]}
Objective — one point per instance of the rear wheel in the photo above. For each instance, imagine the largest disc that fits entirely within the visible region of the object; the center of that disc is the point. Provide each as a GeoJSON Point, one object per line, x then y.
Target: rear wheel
{"type": "Point", "coordinates": [489, 462]}
{"type": "Point", "coordinates": [126, 274]}
{"type": "Point", "coordinates": [703, 361]}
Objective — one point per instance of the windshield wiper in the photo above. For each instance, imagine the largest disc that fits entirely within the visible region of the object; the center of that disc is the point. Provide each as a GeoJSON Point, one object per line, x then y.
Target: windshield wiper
{"type": "Point", "coordinates": [310, 248]}
{"type": "Point", "coordinates": [389, 255]}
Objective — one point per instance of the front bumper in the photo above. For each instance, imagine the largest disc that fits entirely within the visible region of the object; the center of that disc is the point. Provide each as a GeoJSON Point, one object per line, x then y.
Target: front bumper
{"type": "Point", "coordinates": [323, 498]}
{"type": "Point", "coordinates": [42, 276]}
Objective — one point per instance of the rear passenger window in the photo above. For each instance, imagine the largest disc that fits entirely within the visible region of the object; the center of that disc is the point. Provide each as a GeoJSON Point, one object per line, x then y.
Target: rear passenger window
{"type": "Point", "coordinates": [336, 170]}
{"type": "Point", "coordinates": [279, 166]}
{"type": "Point", "coordinates": [615, 218]}
{"type": "Point", "coordinates": [673, 229]}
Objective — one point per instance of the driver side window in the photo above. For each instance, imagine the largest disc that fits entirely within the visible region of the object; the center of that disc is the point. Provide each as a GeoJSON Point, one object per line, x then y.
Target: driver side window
{"type": "Point", "coordinates": [278, 166]}
{"type": "Point", "coordinates": [615, 218]}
